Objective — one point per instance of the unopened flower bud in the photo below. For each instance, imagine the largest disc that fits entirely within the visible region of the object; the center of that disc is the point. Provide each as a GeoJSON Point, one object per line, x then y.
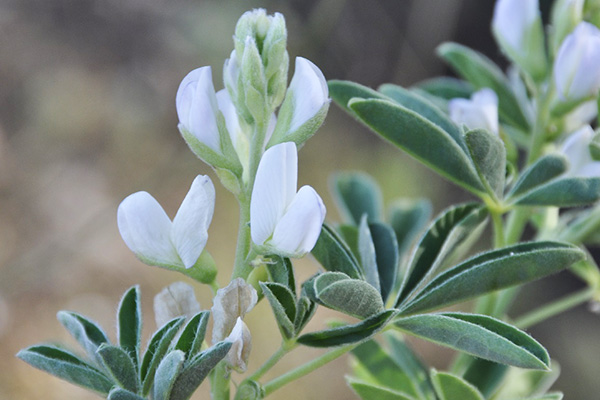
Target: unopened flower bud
{"type": "Point", "coordinates": [480, 112]}
{"type": "Point", "coordinates": [566, 15]}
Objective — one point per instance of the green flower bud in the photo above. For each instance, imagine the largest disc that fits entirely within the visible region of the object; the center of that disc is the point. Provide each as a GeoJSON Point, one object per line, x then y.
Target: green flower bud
{"type": "Point", "coordinates": [566, 15]}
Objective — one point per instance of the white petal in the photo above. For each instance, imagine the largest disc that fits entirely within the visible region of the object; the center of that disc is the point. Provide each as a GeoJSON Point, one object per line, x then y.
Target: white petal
{"type": "Point", "coordinates": [190, 225]}
{"type": "Point", "coordinates": [146, 229]}
{"type": "Point", "coordinates": [176, 300]}
{"type": "Point", "coordinates": [576, 149]}
{"type": "Point", "coordinates": [231, 302]}
{"type": "Point", "coordinates": [298, 230]}
{"type": "Point", "coordinates": [274, 189]}
{"type": "Point", "coordinates": [231, 72]}
{"type": "Point", "coordinates": [481, 112]}
{"type": "Point", "coordinates": [232, 120]}
{"type": "Point", "coordinates": [309, 88]}
{"type": "Point", "coordinates": [196, 104]}
{"type": "Point", "coordinates": [512, 18]}
{"type": "Point", "coordinates": [241, 340]}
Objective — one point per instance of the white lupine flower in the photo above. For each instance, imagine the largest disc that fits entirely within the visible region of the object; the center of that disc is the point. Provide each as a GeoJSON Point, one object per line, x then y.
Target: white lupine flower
{"type": "Point", "coordinates": [150, 234]}
{"type": "Point", "coordinates": [576, 71]}
{"type": "Point", "coordinates": [176, 300]}
{"type": "Point", "coordinates": [480, 112]}
{"type": "Point", "coordinates": [237, 357]}
{"type": "Point", "coordinates": [286, 222]}
{"type": "Point", "coordinates": [231, 72]}
{"type": "Point", "coordinates": [512, 19]}
{"type": "Point", "coordinates": [576, 149]}
{"type": "Point", "coordinates": [197, 107]}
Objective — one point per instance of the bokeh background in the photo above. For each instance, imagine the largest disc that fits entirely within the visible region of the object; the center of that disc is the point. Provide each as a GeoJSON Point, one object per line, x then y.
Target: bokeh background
{"type": "Point", "coordinates": [87, 116]}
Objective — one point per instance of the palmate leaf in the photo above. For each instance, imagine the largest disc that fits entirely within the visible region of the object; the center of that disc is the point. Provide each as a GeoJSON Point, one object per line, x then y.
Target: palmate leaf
{"type": "Point", "coordinates": [494, 270]}
{"type": "Point", "coordinates": [65, 365]}
{"type": "Point", "coordinates": [451, 228]}
{"type": "Point", "coordinates": [452, 387]}
{"type": "Point", "coordinates": [420, 138]}
{"type": "Point", "coordinates": [481, 72]}
{"type": "Point", "coordinates": [357, 194]}
{"type": "Point", "coordinates": [334, 255]}
{"type": "Point", "coordinates": [478, 335]}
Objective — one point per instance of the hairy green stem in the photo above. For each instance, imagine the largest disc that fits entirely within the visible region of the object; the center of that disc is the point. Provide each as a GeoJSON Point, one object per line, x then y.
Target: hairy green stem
{"type": "Point", "coordinates": [554, 308]}
{"type": "Point", "coordinates": [274, 359]}
{"type": "Point", "coordinates": [242, 268]}
{"type": "Point", "coordinates": [219, 382]}
{"type": "Point", "coordinates": [307, 368]}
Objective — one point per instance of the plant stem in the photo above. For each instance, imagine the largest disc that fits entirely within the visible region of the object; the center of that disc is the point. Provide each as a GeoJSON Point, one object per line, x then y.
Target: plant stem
{"type": "Point", "coordinates": [499, 238]}
{"type": "Point", "coordinates": [219, 382]}
{"type": "Point", "coordinates": [554, 308]}
{"type": "Point", "coordinates": [274, 359]}
{"type": "Point", "coordinates": [538, 136]}
{"type": "Point", "coordinates": [241, 268]}
{"type": "Point", "coordinates": [307, 368]}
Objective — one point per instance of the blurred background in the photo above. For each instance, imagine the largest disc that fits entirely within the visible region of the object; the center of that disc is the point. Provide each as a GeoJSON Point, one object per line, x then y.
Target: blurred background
{"type": "Point", "coordinates": [87, 117]}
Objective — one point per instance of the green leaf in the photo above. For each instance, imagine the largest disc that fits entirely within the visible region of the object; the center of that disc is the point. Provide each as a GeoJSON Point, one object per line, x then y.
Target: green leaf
{"type": "Point", "coordinates": [382, 369]}
{"type": "Point", "coordinates": [342, 91]}
{"type": "Point", "coordinates": [157, 348]}
{"type": "Point", "coordinates": [451, 228]}
{"type": "Point", "coordinates": [166, 373]}
{"type": "Point", "coordinates": [349, 234]}
{"type": "Point", "coordinates": [424, 108]}
{"type": "Point", "coordinates": [486, 375]}
{"type": "Point", "coordinates": [283, 303]}
{"type": "Point", "coordinates": [481, 72]}
{"type": "Point", "coordinates": [526, 383]}
{"type": "Point", "coordinates": [122, 394]}
{"type": "Point", "coordinates": [446, 88]}
{"type": "Point", "coordinates": [120, 366]}
{"type": "Point", "coordinates": [368, 258]}
{"type": "Point", "coordinates": [420, 138]}
{"type": "Point", "coordinates": [367, 391]}
{"type": "Point", "coordinates": [281, 271]}
{"type": "Point", "coordinates": [494, 270]}
{"type": "Point", "coordinates": [194, 371]}
{"type": "Point", "coordinates": [349, 333]}
{"type": "Point", "coordinates": [547, 396]}
{"type": "Point", "coordinates": [564, 192]}
{"type": "Point", "coordinates": [410, 364]}
{"type": "Point", "coordinates": [334, 254]}
{"type": "Point", "coordinates": [489, 155]}
{"type": "Point", "coordinates": [87, 333]}
{"type": "Point", "coordinates": [356, 194]}
{"type": "Point", "coordinates": [192, 335]}
{"type": "Point", "coordinates": [305, 309]}
{"type": "Point", "coordinates": [351, 296]}
{"type": "Point", "coordinates": [452, 387]}
{"type": "Point", "coordinates": [386, 251]}
{"type": "Point", "coordinates": [129, 328]}
{"type": "Point", "coordinates": [543, 170]}
{"type": "Point", "coordinates": [408, 218]}
{"type": "Point", "coordinates": [478, 335]}
{"type": "Point", "coordinates": [67, 366]}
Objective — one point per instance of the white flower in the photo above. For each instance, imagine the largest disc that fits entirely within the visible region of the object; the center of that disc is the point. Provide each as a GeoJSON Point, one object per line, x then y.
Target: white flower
{"type": "Point", "coordinates": [576, 149]}
{"type": "Point", "coordinates": [176, 300]}
{"type": "Point", "coordinates": [481, 112]}
{"type": "Point", "coordinates": [241, 344]}
{"type": "Point", "coordinates": [286, 222]}
{"type": "Point", "coordinates": [197, 107]}
{"type": "Point", "coordinates": [305, 105]}
{"type": "Point", "coordinates": [512, 19]}
{"type": "Point", "coordinates": [576, 71]}
{"type": "Point", "coordinates": [150, 234]}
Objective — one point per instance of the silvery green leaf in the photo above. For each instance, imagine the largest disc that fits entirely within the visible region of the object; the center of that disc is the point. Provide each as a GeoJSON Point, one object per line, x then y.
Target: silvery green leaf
{"type": "Point", "coordinates": [527, 383]}
{"type": "Point", "coordinates": [368, 391]}
{"type": "Point", "coordinates": [494, 270]}
{"type": "Point", "coordinates": [196, 369]}
{"type": "Point", "coordinates": [348, 333]}
{"type": "Point", "coordinates": [450, 229]}
{"type": "Point", "coordinates": [192, 335]}
{"type": "Point", "coordinates": [542, 171]}
{"type": "Point", "coordinates": [349, 234]}
{"type": "Point", "coordinates": [481, 72]}
{"type": "Point", "coordinates": [368, 258]}
{"type": "Point", "coordinates": [408, 218]}
{"type": "Point", "coordinates": [65, 365]}
{"type": "Point", "coordinates": [283, 304]}
{"type": "Point", "coordinates": [129, 318]}
{"type": "Point", "coordinates": [334, 255]}
{"type": "Point", "coordinates": [386, 251]}
{"type": "Point", "coordinates": [547, 396]}
{"type": "Point", "coordinates": [446, 87]}
{"type": "Point", "coordinates": [351, 296]}
{"type": "Point", "coordinates": [489, 155]}
{"type": "Point", "coordinates": [420, 138]}
{"type": "Point", "coordinates": [452, 387]}
{"type": "Point", "coordinates": [486, 375]}
{"type": "Point", "coordinates": [563, 192]}
{"type": "Point", "coordinates": [478, 335]}
{"type": "Point", "coordinates": [166, 373]}
{"type": "Point", "coordinates": [342, 91]}
{"type": "Point", "coordinates": [410, 364]}
{"type": "Point", "coordinates": [87, 333]}
{"type": "Point", "coordinates": [305, 309]}
{"type": "Point", "coordinates": [281, 271]}
{"type": "Point", "coordinates": [120, 366]}
{"type": "Point", "coordinates": [122, 394]}
{"type": "Point", "coordinates": [157, 348]}
{"type": "Point", "coordinates": [356, 194]}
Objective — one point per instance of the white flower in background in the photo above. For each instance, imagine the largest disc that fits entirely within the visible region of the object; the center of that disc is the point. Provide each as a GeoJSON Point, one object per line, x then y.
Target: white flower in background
{"type": "Point", "coordinates": [582, 115]}
{"type": "Point", "coordinates": [576, 149]}
{"type": "Point", "coordinates": [237, 357]}
{"type": "Point", "coordinates": [286, 222]}
{"type": "Point", "coordinates": [576, 71]}
{"type": "Point", "coordinates": [480, 112]}
{"type": "Point", "coordinates": [197, 107]}
{"type": "Point", "coordinates": [155, 240]}
{"type": "Point", "coordinates": [176, 300]}
{"type": "Point", "coordinates": [305, 105]}
{"type": "Point", "coordinates": [516, 25]}
{"type": "Point", "coordinates": [565, 16]}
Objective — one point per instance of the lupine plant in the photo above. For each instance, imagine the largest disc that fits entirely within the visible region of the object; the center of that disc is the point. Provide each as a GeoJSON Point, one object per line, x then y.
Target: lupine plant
{"type": "Point", "coordinates": [520, 142]}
